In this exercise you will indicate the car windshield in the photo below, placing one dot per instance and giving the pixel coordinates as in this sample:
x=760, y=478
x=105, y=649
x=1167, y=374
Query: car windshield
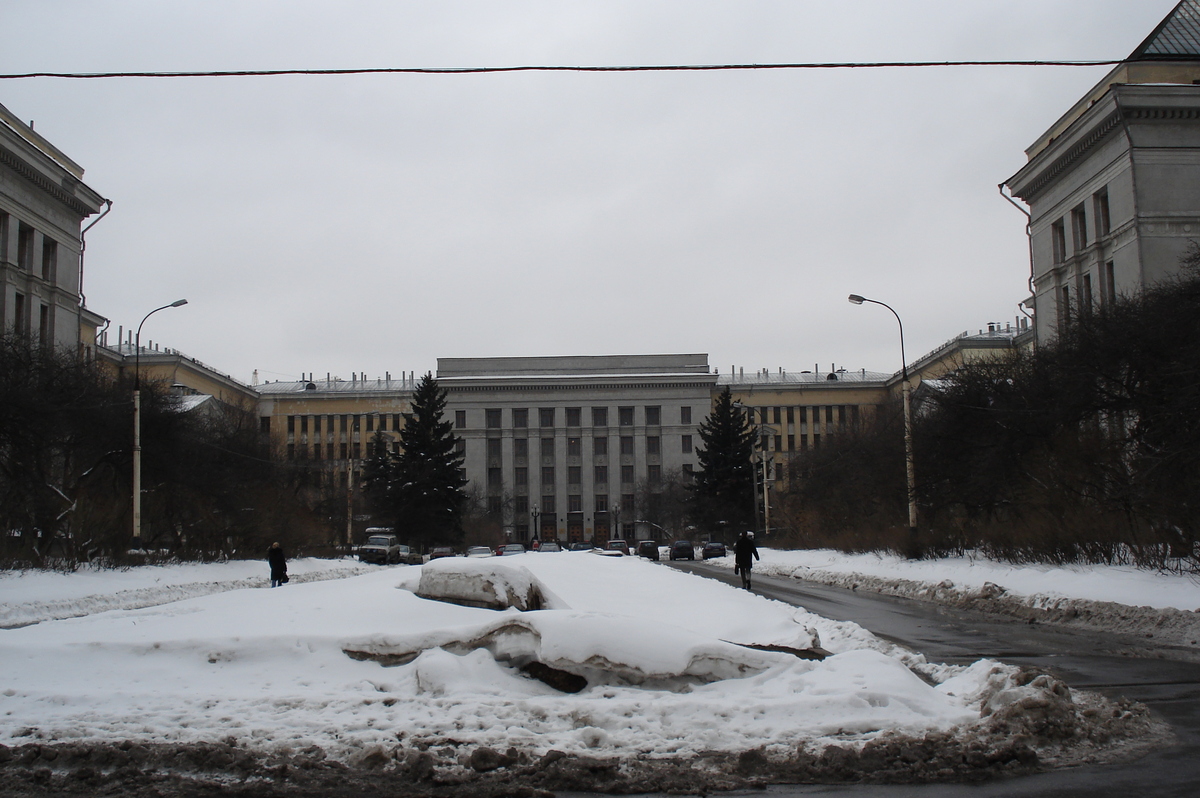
x=377, y=540
x=514, y=547
x=682, y=544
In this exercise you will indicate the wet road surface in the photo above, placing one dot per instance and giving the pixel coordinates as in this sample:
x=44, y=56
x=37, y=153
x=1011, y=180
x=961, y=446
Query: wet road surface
x=1082, y=659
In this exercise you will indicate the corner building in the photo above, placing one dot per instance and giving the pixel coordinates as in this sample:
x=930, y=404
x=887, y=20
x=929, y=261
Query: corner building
x=1113, y=187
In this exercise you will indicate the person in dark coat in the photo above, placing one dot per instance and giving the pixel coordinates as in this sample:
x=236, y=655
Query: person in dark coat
x=743, y=551
x=278, y=564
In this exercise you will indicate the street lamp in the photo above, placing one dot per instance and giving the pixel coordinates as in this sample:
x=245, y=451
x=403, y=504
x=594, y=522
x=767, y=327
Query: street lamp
x=763, y=431
x=137, y=422
x=534, y=513
x=616, y=511
x=910, y=473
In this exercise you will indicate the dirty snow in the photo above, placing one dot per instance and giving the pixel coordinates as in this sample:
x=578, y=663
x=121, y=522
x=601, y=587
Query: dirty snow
x=268, y=668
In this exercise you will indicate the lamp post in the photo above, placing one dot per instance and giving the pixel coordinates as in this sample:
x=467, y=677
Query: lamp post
x=137, y=422
x=910, y=473
x=534, y=513
x=616, y=511
x=763, y=430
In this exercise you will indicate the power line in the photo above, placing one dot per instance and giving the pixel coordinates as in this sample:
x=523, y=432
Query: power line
x=242, y=73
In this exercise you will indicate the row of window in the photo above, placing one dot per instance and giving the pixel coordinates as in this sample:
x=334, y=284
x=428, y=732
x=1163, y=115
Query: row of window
x=548, y=417
x=548, y=507
x=1079, y=227
x=344, y=423
x=495, y=478
x=25, y=248
x=1087, y=298
x=546, y=446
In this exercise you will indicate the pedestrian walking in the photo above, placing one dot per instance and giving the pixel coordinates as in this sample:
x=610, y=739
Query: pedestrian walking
x=744, y=554
x=278, y=563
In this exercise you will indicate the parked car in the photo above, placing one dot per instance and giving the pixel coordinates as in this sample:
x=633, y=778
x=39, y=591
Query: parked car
x=616, y=544
x=511, y=548
x=582, y=546
x=441, y=551
x=480, y=551
x=382, y=549
x=648, y=549
x=550, y=545
x=713, y=549
x=683, y=550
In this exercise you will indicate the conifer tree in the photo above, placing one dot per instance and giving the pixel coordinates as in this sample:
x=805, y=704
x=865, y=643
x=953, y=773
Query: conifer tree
x=723, y=491
x=426, y=487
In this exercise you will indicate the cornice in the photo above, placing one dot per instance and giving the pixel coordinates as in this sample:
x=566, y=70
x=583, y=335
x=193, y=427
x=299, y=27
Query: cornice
x=1062, y=163
x=58, y=192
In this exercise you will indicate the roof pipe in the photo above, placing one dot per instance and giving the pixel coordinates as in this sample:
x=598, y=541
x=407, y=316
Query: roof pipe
x=83, y=246
x=1028, y=239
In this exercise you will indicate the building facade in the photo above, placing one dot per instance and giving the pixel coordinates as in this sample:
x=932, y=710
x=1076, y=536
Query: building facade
x=1113, y=187
x=43, y=202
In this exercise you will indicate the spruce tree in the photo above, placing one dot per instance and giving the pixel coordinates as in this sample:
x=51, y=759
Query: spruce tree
x=426, y=488
x=724, y=488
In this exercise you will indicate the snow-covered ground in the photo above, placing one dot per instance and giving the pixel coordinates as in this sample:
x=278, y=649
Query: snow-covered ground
x=1040, y=585
x=268, y=667
x=352, y=660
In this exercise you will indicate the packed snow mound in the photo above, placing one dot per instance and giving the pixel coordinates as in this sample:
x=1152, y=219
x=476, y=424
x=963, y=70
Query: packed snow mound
x=600, y=648
x=485, y=583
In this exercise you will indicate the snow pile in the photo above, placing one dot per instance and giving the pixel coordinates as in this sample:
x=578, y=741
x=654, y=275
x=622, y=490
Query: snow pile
x=490, y=583
x=661, y=651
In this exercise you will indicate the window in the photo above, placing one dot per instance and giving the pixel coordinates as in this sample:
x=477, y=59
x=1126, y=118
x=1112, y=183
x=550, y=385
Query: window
x=762, y=415
x=1064, y=304
x=627, y=505
x=1079, y=229
x=494, y=479
x=627, y=474
x=777, y=416
x=520, y=417
x=574, y=447
x=1109, y=292
x=791, y=415
x=654, y=474
x=492, y=418
x=653, y=416
x=625, y=416
x=357, y=422
x=687, y=444
x=574, y=475
x=520, y=447
x=600, y=446
x=520, y=504
x=546, y=417
x=494, y=505
x=601, y=475
x=689, y=470
x=370, y=422
x=25, y=246
x=575, y=504
x=4, y=217
x=548, y=511
x=779, y=442
x=599, y=416
x=1058, y=241
x=495, y=448
x=303, y=425
x=291, y=451
x=547, y=447
x=19, y=313
x=574, y=416
x=1100, y=212
x=652, y=444
x=791, y=440
x=601, y=504
x=1085, y=294
x=460, y=447
x=548, y=475
x=291, y=424
x=685, y=415
x=49, y=259
x=626, y=444
x=43, y=325
x=264, y=425
x=521, y=475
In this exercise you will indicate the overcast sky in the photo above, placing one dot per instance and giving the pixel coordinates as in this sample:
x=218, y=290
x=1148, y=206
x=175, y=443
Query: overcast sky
x=376, y=223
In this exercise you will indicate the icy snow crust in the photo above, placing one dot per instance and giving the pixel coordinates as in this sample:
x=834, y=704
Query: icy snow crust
x=267, y=667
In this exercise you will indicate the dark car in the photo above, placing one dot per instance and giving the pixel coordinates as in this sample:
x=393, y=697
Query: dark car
x=616, y=544
x=713, y=549
x=508, y=549
x=581, y=547
x=648, y=549
x=441, y=551
x=683, y=550
x=550, y=545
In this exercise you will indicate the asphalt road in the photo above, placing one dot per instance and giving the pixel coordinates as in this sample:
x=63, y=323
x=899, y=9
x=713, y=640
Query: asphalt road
x=1084, y=660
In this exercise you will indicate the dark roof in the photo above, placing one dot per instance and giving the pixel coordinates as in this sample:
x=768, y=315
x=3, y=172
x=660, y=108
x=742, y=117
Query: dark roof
x=1176, y=37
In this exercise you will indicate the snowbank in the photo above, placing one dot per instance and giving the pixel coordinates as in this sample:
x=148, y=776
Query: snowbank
x=491, y=583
